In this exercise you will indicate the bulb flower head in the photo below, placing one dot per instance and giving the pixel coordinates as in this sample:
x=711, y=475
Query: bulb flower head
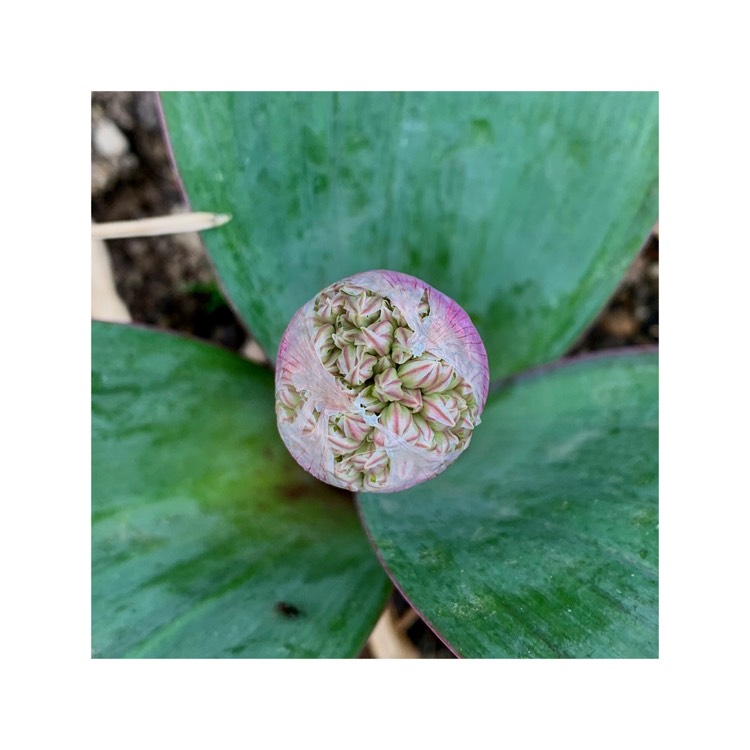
x=380, y=382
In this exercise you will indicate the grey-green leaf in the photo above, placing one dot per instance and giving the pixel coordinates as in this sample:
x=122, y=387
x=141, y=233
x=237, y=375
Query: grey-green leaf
x=208, y=539
x=541, y=540
x=526, y=208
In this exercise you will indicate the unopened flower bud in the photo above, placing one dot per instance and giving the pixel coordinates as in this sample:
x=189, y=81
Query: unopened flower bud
x=388, y=386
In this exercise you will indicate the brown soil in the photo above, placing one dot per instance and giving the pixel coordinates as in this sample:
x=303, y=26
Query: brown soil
x=164, y=281
x=168, y=281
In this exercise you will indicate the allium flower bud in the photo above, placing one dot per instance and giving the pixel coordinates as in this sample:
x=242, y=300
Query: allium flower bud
x=380, y=382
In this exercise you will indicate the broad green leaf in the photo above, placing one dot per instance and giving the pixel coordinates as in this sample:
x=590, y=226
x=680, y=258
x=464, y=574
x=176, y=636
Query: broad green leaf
x=541, y=540
x=526, y=208
x=208, y=540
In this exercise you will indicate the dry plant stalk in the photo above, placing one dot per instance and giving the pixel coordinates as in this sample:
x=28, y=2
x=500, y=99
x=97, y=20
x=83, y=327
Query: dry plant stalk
x=389, y=640
x=105, y=302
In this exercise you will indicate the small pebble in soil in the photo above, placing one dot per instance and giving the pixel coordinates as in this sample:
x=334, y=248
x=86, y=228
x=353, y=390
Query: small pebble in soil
x=109, y=140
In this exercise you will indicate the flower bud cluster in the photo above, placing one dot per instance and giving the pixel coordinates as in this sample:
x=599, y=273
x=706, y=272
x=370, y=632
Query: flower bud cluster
x=385, y=411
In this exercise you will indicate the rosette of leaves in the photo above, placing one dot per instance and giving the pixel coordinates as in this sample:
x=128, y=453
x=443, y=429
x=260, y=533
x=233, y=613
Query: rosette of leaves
x=540, y=540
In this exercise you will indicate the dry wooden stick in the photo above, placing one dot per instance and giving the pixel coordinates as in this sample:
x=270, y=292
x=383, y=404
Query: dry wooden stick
x=173, y=224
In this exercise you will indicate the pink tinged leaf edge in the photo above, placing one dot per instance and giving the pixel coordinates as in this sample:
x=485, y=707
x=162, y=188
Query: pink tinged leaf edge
x=394, y=581
x=621, y=354
x=235, y=308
